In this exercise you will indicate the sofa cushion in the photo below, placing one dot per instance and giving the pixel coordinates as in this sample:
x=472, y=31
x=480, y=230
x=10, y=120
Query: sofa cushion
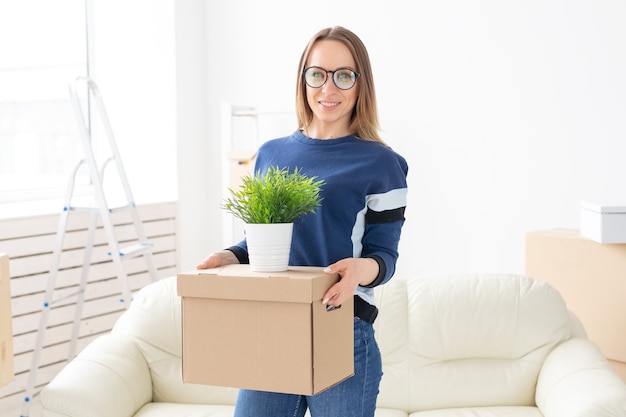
x=386, y=412
x=465, y=412
x=186, y=410
x=487, y=338
x=481, y=412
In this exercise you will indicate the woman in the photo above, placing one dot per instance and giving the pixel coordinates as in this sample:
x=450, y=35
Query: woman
x=355, y=232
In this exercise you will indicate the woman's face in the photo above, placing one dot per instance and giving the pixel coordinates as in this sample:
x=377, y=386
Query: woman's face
x=331, y=106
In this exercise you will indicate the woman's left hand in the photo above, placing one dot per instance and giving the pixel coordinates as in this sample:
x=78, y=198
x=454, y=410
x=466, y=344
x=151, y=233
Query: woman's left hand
x=352, y=273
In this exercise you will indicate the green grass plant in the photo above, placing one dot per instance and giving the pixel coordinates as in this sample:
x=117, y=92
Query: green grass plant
x=278, y=196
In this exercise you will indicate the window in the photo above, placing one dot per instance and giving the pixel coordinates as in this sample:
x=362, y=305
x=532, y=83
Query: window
x=43, y=47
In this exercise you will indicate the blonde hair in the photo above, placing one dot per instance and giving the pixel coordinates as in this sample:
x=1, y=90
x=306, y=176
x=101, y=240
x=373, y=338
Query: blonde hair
x=364, y=120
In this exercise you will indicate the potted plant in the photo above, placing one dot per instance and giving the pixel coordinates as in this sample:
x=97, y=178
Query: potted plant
x=268, y=205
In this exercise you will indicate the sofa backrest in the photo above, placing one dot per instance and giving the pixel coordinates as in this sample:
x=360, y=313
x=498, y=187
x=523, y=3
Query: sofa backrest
x=153, y=320
x=447, y=341
x=466, y=340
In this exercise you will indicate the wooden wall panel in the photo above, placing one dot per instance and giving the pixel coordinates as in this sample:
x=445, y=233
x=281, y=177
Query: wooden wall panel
x=30, y=242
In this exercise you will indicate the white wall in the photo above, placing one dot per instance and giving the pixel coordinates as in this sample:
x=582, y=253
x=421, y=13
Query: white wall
x=509, y=113
x=132, y=44
x=197, y=187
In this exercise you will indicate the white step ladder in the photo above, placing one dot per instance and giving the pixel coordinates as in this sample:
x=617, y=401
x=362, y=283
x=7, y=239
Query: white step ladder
x=97, y=206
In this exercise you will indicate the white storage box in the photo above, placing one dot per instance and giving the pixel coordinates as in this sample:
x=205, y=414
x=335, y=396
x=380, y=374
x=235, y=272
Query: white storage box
x=603, y=223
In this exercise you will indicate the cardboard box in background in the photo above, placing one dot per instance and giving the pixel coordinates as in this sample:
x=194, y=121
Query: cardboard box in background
x=591, y=277
x=6, y=328
x=603, y=223
x=241, y=165
x=264, y=331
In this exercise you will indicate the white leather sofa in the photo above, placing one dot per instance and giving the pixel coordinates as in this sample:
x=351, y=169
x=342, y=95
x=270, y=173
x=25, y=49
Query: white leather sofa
x=452, y=346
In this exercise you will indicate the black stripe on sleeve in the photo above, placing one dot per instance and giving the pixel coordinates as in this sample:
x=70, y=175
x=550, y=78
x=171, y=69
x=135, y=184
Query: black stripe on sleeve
x=386, y=216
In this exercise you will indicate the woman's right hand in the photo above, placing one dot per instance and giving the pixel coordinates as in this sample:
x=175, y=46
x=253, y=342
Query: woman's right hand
x=221, y=258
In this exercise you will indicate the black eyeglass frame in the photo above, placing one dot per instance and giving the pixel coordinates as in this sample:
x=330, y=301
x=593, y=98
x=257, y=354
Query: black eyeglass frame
x=356, y=76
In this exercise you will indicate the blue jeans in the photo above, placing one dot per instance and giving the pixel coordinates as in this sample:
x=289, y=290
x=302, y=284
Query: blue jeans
x=354, y=397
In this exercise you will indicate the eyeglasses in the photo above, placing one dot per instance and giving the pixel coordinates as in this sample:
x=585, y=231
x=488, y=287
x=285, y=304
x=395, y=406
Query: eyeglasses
x=344, y=78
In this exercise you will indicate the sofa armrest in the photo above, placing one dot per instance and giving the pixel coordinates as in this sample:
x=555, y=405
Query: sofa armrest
x=577, y=381
x=110, y=377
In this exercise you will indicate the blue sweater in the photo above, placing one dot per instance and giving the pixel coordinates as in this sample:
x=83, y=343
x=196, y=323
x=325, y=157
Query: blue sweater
x=362, y=211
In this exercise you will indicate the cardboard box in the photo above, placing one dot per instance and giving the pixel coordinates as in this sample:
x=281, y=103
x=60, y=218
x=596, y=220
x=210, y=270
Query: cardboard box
x=603, y=223
x=619, y=368
x=6, y=328
x=591, y=277
x=264, y=331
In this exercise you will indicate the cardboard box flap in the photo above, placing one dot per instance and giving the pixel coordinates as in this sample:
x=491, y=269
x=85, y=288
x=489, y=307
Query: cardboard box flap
x=237, y=282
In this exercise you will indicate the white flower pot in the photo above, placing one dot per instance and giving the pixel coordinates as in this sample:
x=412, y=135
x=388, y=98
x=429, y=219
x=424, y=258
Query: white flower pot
x=269, y=246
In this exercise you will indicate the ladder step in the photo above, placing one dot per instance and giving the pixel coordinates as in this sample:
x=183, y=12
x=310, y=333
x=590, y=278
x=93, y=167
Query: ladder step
x=135, y=250
x=47, y=304
x=93, y=206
